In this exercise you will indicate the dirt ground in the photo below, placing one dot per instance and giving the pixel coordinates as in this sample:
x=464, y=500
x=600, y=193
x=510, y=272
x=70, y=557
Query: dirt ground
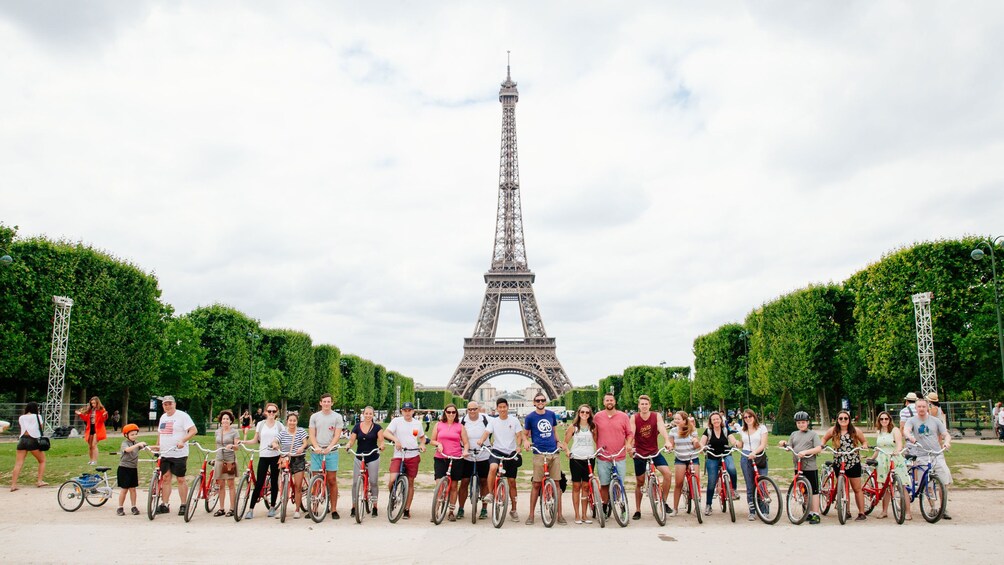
x=34, y=529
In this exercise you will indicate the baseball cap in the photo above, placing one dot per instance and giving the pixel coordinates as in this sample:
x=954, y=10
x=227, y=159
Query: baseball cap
x=167, y=398
x=407, y=406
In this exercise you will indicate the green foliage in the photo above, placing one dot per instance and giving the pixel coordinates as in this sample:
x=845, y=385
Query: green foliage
x=784, y=422
x=577, y=397
x=433, y=399
x=289, y=366
x=225, y=337
x=604, y=386
x=327, y=373
x=720, y=367
x=182, y=360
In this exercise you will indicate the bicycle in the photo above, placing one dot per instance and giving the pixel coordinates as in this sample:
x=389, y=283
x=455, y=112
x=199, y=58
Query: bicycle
x=595, y=501
x=652, y=488
x=207, y=489
x=692, y=487
x=726, y=494
x=474, y=492
x=766, y=495
x=361, y=487
x=500, y=490
x=246, y=485
x=154, y=493
x=87, y=486
x=548, y=492
x=286, y=486
x=891, y=485
x=398, y=496
x=317, y=488
x=799, y=497
x=441, y=496
x=928, y=487
x=619, y=505
x=836, y=487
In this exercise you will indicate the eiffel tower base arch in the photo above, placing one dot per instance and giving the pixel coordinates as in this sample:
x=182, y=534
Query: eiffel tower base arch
x=487, y=358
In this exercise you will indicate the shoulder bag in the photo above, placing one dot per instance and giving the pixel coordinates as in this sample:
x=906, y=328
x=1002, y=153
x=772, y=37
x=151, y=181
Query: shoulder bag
x=43, y=441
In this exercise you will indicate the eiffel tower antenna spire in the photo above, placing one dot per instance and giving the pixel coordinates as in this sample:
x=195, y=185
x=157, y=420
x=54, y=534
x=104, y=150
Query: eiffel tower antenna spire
x=509, y=279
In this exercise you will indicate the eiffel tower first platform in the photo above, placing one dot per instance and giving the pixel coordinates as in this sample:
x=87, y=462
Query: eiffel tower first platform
x=485, y=355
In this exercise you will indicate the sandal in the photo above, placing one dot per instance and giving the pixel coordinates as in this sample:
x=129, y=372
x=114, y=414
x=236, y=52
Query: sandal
x=229, y=514
x=881, y=516
x=12, y=489
x=41, y=484
x=219, y=513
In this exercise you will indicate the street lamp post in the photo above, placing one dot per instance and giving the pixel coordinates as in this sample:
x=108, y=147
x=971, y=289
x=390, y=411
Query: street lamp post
x=978, y=254
x=252, y=337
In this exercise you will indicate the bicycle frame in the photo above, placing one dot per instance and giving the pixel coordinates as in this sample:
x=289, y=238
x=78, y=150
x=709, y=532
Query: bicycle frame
x=724, y=482
x=652, y=488
x=360, y=495
x=617, y=485
x=692, y=484
x=841, y=479
x=441, y=496
x=203, y=485
x=595, y=503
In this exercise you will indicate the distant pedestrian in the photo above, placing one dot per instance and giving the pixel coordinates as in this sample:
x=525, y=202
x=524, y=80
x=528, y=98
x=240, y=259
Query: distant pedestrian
x=116, y=420
x=94, y=416
x=31, y=430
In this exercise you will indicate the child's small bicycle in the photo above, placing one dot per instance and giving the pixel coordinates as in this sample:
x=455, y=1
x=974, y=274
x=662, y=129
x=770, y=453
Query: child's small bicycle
x=89, y=487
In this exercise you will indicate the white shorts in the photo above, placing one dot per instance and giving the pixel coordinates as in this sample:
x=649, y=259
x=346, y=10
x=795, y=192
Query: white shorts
x=940, y=467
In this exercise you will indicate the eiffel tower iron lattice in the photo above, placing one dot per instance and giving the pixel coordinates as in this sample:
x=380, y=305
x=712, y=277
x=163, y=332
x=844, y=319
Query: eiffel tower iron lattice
x=510, y=279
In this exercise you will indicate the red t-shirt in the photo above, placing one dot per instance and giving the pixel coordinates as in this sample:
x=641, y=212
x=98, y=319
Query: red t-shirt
x=646, y=434
x=611, y=433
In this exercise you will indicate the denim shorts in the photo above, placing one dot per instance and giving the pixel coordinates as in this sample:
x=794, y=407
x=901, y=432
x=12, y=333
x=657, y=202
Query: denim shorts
x=330, y=461
x=604, y=470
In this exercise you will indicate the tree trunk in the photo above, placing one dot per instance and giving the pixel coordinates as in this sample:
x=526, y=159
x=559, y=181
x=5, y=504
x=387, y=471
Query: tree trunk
x=22, y=394
x=124, y=415
x=824, y=410
x=283, y=411
x=65, y=414
x=82, y=396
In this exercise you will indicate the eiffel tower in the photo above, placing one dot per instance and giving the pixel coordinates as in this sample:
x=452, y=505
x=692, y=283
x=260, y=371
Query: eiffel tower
x=485, y=355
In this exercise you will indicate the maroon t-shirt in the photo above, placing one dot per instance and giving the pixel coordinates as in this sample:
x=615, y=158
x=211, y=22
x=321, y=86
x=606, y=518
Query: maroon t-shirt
x=646, y=434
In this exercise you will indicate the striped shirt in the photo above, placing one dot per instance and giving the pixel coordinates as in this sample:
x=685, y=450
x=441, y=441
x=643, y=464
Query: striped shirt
x=291, y=442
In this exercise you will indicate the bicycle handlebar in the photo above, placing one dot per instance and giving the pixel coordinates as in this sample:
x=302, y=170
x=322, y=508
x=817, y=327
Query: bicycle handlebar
x=610, y=455
x=719, y=456
x=514, y=455
x=535, y=450
x=845, y=453
x=653, y=456
x=793, y=452
x=361, y=455
x=204, y=450
x=889, y=453
x=929, y=452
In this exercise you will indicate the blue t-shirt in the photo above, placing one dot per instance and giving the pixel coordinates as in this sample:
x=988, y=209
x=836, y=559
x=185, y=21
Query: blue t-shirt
x=541, y=428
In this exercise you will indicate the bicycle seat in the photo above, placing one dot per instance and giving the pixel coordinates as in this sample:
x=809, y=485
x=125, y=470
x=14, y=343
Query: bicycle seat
x=872, y=462
x=102, y=469
x=911, y=457
x=829, y=463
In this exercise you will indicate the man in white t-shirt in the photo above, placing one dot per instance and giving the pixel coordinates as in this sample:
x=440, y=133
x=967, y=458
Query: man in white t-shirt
x=506, y=433
x=409, y=441
x=908, y=411
x=475, y=423
x=325, y=429
x=176, y=428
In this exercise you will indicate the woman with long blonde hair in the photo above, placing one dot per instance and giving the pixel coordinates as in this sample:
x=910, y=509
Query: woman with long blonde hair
x=683, y=440
x=94, y=416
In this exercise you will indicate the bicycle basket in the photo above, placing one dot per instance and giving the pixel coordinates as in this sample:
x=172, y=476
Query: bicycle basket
x=88, y=480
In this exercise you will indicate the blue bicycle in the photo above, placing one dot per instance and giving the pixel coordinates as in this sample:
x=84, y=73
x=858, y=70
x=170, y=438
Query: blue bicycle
x=618, y=494
x=474, y=488
x=925, y=484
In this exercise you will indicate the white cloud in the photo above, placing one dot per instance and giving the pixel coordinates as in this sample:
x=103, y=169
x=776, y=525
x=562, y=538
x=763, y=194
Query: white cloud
x=334, y=169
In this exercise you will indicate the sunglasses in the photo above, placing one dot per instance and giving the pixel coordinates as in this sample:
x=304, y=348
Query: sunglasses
x=843, y=419
x=883, y=418
x=271, y=411
x=584, y=412
x=747, y=417
x=451, y=411
x=539, y=400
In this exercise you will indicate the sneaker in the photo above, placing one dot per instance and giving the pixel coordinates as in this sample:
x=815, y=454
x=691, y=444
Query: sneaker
x=606, y=509
x=636, y=516
x=670, y=512
x=135, y=511
x=483, y=515
x=707, y=510
x=751, y=517
x=814, y=518
x=460, y=513
x=561, y=521
x=352, y=512
x=120, y=512
x=529, y=521
x=374, y=511
x=735, y=496
x=271, y=512
x=335, y=516
x=181, y=510
x=450, y=516
x=249, y=515
x=945, y=516
x=296, y=514
x=163, y=509
x=513, y=515
x=488, y=499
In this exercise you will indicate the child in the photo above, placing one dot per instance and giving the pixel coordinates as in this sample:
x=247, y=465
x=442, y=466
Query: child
x=806, y=443
x=128, y=475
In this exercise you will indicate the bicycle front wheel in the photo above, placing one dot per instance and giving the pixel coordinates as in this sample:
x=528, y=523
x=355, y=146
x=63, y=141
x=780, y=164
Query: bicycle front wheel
x=767, y=500
x=359, y=495
x=193, y=497
x=655, y=497
x=475, y=496
x=932, y=499
x=826, y=491
x=214, y=493
x=440, y=499
x=797, y=505
x=500, y=504
x=619, y=503
x=596, y=506
x=843, y=501
x=97, y=496
x=695, y=498
x=317, y=498
x=284, y=488
x=153, y=495
x=70, y=496
x=243, y=497
x=728, y=495
x=870, y=490
x=899, y=500
x=548, y=502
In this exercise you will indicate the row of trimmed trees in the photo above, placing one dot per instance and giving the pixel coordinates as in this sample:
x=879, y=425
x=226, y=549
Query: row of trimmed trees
x=856, y=340
x=126, y=344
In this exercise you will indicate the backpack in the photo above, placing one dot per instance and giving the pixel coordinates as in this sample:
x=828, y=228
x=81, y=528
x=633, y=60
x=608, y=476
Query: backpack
x=484, y=420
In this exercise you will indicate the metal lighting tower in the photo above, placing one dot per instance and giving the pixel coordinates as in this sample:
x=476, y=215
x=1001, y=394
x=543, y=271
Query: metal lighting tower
x=57, y=361
x=925, y=342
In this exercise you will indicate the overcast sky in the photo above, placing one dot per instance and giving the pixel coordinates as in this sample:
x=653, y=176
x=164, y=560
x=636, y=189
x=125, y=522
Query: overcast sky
x=333, y=167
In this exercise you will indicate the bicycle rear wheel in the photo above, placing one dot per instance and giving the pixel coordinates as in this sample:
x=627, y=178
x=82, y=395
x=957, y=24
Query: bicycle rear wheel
x=97, y=496
x=70, y=496
x=728, y=494
x=655, y=497
x=597, y=502
x=475, y=496
x=826, y=491
x=284, y=488
x=440, y=499
x=686, y=495
x=500, y=504
x=548, y=502
x=899, y=500
x=359, y=497
x=799, y=494
x=619, y=503
x=243, y=497
x=695, y=498
x=870, y=490
x=153, y=495
x=843, y=501
x=193, y=497
x=932, y=499
x=767, y=500
x=317, y=498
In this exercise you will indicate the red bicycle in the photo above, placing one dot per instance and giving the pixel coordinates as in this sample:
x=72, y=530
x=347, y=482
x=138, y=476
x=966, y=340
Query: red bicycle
x=892, y=486
x=799, y=493
x=246, y=485
x=156, y=489
x=652, y=488
x=766, y=497
x=317, y=490
x=361, y=487
x=595, y=501
x=726, y=494
x=441, y=496
x=204, y=486
x=836, y=486
x=548, y=492
x=692, y=487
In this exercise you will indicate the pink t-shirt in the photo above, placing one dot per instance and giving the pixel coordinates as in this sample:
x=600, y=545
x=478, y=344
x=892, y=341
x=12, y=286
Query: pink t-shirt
x=449, y=436
x=611, y=431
